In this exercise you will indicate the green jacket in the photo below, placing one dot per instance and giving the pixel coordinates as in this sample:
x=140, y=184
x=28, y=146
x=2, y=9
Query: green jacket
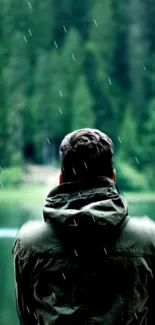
x=88, y=262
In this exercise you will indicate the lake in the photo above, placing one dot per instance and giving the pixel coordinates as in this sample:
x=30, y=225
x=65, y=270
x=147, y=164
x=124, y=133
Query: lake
x=16, y=209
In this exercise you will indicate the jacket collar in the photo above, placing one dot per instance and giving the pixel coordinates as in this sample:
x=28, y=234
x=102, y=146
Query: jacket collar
x=85, y=202
x=89, y=184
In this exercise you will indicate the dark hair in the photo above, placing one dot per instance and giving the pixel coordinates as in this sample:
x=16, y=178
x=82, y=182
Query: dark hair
x=86, y=153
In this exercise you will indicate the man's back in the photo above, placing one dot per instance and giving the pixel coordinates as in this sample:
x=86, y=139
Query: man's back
x=87, y=262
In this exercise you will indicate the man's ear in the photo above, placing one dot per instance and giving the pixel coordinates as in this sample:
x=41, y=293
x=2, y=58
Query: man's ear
x=61, y=179
x=114, y=176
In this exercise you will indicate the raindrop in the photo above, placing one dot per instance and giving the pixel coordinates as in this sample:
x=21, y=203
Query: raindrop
x=29, y=4
x=64, y=276
x=137, y=160
x=85, y=165
x=25, y=39
x=48, y=141
x=60, y=110
x=73, y=57
x=30, y=32
x=74, y=171
x=75, y=252
x=60, y=92
x=95, y=22
x=56, y=45
x=65, y=29
x=75, y=223
x=110, y=81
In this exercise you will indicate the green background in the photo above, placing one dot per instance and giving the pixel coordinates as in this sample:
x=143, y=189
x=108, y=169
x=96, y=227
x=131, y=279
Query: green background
x=65, y=65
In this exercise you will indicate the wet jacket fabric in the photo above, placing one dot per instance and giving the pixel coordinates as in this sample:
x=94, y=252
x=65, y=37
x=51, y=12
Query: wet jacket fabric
x=87, y=262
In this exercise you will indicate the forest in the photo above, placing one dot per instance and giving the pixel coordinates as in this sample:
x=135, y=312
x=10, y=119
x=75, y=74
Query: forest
x=71, y=64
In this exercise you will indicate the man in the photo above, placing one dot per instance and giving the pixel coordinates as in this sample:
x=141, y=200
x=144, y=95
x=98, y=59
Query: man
x=88, y=262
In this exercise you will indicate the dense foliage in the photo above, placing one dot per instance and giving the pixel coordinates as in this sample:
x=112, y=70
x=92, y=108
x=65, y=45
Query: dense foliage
x=69, y=64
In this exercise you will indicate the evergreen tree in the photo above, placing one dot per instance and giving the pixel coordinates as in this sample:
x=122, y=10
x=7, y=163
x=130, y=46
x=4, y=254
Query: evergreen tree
x=83, y=115
x=4, y=139
x=42, y=19
x=128, y=151
x=16, y=81
x=148, y=144
x=40, y=104
x=138, y=49
x=65, y=65
x=99, y=65
x=72, y=56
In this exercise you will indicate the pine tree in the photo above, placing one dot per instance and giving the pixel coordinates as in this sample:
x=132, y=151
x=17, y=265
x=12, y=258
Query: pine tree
x=72, y=56
x=138, y=53
x=4, y=139
x=43, y=22
x=83, y=115
x=148, y=144
x=16, y=81
x=128, y=151
x=99, y=65
x=39, y=105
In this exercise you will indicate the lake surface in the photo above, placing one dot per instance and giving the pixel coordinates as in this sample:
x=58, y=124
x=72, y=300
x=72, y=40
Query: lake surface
x=12, y=216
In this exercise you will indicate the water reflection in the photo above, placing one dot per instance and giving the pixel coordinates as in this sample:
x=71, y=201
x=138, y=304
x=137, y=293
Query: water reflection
x=8, y=233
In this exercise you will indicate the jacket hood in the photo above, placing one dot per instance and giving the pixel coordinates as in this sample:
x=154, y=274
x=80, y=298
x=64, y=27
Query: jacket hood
x=85, y=206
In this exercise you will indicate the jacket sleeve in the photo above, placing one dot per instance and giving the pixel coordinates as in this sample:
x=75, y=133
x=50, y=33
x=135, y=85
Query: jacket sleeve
x=151, y=313
x=24, y=302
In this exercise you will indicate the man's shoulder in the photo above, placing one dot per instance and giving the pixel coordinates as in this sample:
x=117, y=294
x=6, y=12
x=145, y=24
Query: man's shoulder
x=33, y=229
x=141, y=231
x=35, y=234
x=143, y=223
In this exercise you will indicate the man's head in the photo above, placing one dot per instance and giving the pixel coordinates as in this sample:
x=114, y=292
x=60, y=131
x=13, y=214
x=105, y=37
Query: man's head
x=84, y=154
